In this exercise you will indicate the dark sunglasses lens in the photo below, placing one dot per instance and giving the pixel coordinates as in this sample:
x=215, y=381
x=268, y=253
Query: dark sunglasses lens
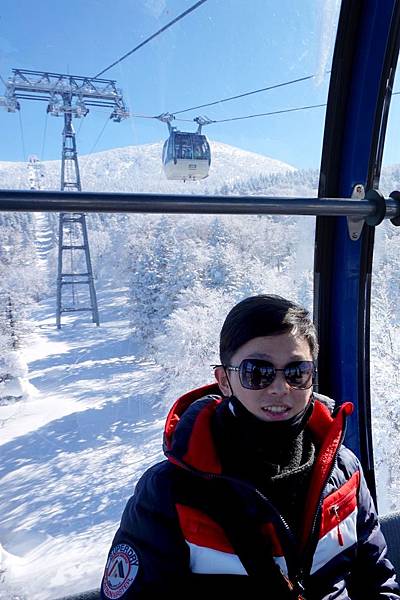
x=299, y=374
x=256, y=374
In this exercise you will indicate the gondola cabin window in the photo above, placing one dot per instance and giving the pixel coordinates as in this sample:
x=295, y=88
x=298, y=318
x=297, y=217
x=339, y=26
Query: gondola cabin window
x=188, y=156
x=82, y=405
x=385, y=329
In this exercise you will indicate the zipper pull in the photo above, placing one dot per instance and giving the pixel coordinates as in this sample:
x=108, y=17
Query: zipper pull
x=299, y=591
x=297, y=588
x=334, y=510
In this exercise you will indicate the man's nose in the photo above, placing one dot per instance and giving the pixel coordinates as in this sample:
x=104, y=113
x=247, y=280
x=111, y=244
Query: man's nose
x=279, y=384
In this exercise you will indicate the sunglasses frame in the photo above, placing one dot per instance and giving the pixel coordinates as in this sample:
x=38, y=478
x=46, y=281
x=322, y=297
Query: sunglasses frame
x=238, y=369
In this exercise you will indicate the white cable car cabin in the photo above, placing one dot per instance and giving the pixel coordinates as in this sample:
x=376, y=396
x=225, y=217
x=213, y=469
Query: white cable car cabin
x=186, y=156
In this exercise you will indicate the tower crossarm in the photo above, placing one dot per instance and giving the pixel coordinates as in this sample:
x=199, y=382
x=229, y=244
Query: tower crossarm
x=54, y=88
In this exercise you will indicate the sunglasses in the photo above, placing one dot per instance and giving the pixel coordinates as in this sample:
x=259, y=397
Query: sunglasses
x=257, y=374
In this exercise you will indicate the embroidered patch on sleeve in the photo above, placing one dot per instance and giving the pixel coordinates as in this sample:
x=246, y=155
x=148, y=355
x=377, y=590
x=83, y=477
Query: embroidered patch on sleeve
x=120, y=572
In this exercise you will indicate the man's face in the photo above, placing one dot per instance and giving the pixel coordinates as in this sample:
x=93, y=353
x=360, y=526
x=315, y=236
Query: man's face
x=278, y=401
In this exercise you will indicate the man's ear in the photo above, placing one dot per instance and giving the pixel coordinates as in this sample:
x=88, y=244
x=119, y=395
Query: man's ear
x=222, y=379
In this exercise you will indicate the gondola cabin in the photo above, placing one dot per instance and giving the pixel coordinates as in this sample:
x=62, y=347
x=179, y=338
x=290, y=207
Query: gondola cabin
x=186, y=156
x=169, y=262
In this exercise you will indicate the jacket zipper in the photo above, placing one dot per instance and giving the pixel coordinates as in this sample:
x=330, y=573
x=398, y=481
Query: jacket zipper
x=297, y=584
x=286, y=529
x=313, y=540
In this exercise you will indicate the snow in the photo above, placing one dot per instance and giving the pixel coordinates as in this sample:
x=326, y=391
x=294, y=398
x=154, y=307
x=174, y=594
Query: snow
x=71, y=454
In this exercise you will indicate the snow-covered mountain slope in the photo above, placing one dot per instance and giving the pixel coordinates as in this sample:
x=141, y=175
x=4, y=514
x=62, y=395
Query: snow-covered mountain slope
x=73, y=452
x=139, y=169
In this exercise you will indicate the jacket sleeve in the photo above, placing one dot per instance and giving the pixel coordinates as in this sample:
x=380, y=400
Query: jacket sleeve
x=373, y=576
x=148, y=554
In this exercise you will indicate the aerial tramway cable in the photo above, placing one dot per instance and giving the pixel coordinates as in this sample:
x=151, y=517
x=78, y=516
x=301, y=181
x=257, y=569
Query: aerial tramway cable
x=99, y=136
x=184, y=14
x=274, y=112
x=265, y=89
x=212, y=121
x=44, y=137
x=79, y=128
x=237, y=96
x=22, y=136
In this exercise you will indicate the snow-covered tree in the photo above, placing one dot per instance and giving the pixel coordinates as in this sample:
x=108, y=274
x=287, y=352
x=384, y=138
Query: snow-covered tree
x=219, y=270
x=21, y=286
x=164, y=260
x=189, y=344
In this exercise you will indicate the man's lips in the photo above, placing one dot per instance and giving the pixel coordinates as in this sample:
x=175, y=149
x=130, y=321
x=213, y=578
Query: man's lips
x=276, y=409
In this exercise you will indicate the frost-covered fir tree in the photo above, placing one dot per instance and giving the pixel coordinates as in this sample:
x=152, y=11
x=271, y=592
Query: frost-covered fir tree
x=189, y=344
x=218, y=271
x=148, y=292
x=21, y=286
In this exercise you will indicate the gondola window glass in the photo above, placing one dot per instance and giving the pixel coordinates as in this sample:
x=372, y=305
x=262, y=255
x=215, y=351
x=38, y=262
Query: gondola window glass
x=385, y=328
x=235, y=92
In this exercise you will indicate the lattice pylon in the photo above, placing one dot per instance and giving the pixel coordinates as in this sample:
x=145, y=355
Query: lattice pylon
x=75, y=271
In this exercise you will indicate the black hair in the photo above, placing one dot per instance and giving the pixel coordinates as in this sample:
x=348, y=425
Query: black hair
x=264, y=315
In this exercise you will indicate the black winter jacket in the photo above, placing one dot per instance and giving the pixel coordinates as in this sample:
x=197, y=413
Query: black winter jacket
x=189, y=530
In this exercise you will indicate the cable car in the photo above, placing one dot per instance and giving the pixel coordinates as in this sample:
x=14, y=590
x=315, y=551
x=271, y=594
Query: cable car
x=186, y=155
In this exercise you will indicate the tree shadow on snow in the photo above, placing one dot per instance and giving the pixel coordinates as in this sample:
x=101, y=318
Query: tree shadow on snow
x=78, y=471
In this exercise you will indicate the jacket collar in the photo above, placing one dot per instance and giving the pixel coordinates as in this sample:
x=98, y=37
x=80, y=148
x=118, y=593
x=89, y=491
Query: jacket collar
x=188, y=435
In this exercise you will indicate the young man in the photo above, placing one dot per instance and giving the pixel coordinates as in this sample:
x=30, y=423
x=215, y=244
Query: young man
x=258, y=494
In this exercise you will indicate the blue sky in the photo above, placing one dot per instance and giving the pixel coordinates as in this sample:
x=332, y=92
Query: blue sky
x=223, y=48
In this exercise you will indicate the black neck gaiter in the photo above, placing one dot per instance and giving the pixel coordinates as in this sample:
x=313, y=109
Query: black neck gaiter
x=243, y=440
x=277, y=433
x=277, y=457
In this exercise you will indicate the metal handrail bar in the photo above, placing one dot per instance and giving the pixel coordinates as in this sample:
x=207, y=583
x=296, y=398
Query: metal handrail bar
x=43, y=201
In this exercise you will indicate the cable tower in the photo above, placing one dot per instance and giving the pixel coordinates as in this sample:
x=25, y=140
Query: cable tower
x=69, y=96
